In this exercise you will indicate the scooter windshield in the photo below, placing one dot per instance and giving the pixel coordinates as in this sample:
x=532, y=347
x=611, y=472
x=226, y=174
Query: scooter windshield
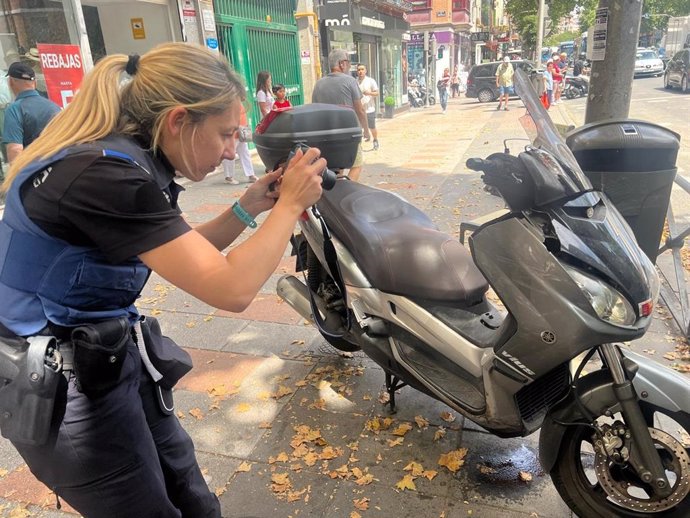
x=545, y=136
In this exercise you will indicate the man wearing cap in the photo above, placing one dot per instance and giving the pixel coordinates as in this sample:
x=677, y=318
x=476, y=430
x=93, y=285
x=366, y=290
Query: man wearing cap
x=26, y=117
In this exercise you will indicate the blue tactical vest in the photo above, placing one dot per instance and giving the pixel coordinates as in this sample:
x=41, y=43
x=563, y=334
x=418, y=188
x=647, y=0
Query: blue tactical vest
x=44, y=279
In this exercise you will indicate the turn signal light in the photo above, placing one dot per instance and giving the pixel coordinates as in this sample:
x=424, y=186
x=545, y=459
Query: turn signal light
x=646, y=307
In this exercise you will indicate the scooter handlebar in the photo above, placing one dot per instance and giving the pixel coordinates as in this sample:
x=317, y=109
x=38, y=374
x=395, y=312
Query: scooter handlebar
x=479, y=164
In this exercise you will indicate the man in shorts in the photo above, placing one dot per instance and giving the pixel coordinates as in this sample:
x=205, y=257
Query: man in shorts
x=504, y=82
x=370, y=93
x=341, y=89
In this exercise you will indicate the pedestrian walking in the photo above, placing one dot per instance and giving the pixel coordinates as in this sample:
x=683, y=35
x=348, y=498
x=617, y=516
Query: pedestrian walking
x=547, y=78
x=26, y=117
x=370, y=94
x=442, y=85
x=263, y=94
x=340, y=88
x=504, y=82
x=241, y=152
x=91, y=210
x=455, y=83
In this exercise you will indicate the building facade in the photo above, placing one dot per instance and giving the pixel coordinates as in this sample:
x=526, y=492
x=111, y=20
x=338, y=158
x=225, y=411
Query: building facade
x=371, y=33
x=440, y=37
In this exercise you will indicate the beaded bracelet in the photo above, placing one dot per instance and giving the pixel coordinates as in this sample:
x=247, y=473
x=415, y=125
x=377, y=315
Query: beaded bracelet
x=243, y=215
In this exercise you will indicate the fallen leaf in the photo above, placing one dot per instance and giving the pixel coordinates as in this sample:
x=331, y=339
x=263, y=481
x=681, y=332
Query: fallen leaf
x=415, y=468
x=485, y=470
x=310, y=458
x=282, y=392
x=453, y=460
x=365, y=480
x=407, y=482
x=429, y=473
x=330, y=453
x=190, y=325
x=448, y=417
x=242, y=408
x=282, y=457
x=265, y=425
x=244, y=467
x=525, y=476
x=361, y=504
x=402, y=429
x=440, y=434
x=395, y=442
x=421, y=421
x=384, y=398
x=297, y=342
x=197, y=413
x=355, y=514
x=220, y=490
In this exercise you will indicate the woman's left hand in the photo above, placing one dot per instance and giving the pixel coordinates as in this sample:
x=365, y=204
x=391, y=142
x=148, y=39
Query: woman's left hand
x=259, y=197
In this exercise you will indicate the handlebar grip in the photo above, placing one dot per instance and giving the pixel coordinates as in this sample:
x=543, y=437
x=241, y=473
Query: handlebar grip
x=476, y=164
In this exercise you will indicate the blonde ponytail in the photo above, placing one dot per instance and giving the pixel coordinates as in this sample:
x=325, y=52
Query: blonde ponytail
x=169, y=76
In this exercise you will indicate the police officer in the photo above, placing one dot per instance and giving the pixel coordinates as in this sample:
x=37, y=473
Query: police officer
x=92, y=208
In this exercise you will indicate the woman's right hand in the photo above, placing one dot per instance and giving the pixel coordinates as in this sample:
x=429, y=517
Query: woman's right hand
x=300, y=185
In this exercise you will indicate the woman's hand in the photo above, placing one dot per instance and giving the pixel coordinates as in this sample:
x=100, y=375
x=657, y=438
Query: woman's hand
x=300, y=185
x=259, y=197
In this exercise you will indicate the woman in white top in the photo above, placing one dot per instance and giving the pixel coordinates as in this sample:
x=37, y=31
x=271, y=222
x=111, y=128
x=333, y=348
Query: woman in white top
x=263, y=92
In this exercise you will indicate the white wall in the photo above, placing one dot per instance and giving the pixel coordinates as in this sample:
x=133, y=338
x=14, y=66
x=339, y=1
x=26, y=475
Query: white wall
x=117, y=32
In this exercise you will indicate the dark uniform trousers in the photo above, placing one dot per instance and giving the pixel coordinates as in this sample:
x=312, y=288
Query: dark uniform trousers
x=119, y=456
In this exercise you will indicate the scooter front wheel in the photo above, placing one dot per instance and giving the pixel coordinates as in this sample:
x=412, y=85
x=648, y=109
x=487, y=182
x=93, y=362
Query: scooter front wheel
x=594, y=478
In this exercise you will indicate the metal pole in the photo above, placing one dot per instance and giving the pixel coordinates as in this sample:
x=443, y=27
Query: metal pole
x=427, y=68
x=540, y=32
x=616, y=31
x=81, y=35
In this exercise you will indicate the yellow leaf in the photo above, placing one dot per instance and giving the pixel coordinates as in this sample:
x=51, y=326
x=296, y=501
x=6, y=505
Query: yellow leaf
x=220, y=490
x=280, y=478
x=282, y=392
x=407, y=482
x=310, y=458
x=361, y=503
x=402, y=429
x=430, y=474
x=191, y=324
x=265, y=425
x=421, y=421
x=3, y=472
x=329, y=453
x=440, y=434
x=395, y=442
x=156, y=312
x=208, y=318
x=415, y=468
x=453, y=460
x=365, y=480
x=447, y=417
x=355, y=514
x=242, y=408
x=525, y=476
x=196, y=412
x=244, y=467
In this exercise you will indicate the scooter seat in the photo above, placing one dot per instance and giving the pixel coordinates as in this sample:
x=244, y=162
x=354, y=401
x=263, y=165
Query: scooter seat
x=398, y=247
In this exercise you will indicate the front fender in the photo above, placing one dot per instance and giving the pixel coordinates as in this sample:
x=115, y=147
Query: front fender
x=654, y=383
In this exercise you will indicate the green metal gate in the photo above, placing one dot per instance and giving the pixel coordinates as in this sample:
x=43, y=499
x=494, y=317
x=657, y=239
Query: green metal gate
x=258, y=35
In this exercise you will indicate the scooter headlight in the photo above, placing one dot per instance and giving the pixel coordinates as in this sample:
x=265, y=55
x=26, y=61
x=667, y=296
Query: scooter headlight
x=607, y=302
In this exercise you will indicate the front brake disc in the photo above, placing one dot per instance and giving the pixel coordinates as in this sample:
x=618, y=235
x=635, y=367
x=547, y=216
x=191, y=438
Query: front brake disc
x=637, y=496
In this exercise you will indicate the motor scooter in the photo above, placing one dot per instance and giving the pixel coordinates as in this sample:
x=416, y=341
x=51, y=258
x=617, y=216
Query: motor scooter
x=574, y=285
x=576, y=86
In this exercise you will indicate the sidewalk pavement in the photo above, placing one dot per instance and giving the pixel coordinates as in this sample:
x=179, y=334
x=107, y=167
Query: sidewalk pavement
x=285, y=426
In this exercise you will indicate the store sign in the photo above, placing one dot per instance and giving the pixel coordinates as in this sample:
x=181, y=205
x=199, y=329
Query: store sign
x=335, y=22
x=63, y=71
x=138, y=31
x=372, y=22
x=479, y=36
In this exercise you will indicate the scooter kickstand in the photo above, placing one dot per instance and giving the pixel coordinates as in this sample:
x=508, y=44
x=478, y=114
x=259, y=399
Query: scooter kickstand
x=393, y=383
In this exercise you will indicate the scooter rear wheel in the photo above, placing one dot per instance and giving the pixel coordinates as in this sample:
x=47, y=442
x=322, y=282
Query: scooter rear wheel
x=319, y=278
x=595, y=487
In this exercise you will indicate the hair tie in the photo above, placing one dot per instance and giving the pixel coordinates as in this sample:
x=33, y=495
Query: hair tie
x=132, y=64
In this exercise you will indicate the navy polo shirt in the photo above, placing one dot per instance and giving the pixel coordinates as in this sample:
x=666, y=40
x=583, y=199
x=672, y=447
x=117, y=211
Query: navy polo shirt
x=26, y=117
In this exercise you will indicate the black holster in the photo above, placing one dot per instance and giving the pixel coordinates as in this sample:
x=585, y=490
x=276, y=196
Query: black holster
x=30, y=371
x=99, y=352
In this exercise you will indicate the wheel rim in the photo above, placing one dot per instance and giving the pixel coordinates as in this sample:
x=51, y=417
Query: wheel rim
x=614, y=489
x=485, y=96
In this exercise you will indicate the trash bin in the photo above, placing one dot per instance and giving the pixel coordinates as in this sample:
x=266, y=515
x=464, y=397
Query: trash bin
x=634, y=163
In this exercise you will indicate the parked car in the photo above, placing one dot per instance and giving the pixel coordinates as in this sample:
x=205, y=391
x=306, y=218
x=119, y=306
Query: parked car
x=481, y=81
x=648, y=63
x=678, y=71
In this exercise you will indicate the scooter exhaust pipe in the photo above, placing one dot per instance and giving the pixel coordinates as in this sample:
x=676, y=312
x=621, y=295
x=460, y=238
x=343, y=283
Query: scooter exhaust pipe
x=294, y=292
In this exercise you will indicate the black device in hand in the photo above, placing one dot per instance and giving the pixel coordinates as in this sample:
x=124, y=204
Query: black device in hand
x=328, y=177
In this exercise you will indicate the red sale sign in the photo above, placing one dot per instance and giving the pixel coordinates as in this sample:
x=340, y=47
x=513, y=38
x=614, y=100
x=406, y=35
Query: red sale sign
x=63, y=71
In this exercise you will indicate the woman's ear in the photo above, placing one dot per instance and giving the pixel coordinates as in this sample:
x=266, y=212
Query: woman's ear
x=175, y=120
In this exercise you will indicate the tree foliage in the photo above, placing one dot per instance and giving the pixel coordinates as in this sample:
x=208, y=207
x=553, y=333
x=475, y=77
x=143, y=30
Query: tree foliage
x=524, y=15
